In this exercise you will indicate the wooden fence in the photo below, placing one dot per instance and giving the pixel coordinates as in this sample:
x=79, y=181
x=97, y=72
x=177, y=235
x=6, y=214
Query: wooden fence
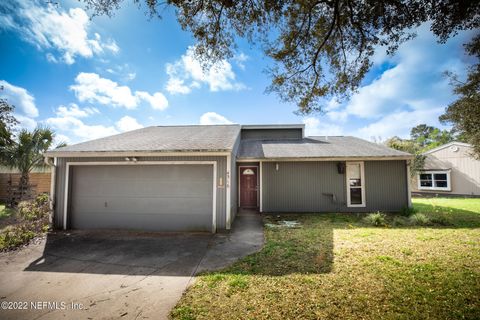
x=40, y=181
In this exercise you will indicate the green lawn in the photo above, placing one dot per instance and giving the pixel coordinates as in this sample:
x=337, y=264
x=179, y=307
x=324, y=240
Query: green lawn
x=334, y=266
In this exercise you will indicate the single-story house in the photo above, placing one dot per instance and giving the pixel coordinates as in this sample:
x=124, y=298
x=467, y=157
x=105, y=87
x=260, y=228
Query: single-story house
x=449, y=169
x=195, y=178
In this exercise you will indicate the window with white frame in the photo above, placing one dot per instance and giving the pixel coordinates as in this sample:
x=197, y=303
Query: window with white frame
x=434, y=180
x=355, y=174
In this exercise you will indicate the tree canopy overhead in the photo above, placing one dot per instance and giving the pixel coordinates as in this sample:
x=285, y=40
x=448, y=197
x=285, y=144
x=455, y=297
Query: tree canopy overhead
x=464, y=113
x=320, y=49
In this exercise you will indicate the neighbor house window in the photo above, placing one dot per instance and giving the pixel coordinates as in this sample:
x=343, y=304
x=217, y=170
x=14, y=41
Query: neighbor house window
x=355, y=184
x=434, y=180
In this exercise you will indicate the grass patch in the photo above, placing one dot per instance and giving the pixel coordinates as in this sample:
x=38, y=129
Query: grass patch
x=335, y=266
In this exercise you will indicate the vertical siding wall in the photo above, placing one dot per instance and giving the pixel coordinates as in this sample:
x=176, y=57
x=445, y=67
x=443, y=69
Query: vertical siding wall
x=464, y=175
x=318, y=187
x=233, y=181
x=60, y=182
x=386, y=185
x=266, y=134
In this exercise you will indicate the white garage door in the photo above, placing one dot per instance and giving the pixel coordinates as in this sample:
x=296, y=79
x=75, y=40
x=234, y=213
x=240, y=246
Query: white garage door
x=142, y=197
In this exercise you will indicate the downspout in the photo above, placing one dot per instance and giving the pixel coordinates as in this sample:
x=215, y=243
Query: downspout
x=53, y=166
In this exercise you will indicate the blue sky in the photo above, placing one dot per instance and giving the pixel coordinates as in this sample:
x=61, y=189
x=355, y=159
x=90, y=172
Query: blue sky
x=91, y=78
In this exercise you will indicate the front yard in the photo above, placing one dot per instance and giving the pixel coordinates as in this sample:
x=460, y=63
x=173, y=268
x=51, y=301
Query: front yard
x=336, y=266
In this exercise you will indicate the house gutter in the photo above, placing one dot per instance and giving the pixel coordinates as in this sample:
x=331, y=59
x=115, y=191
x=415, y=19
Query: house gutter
x=289, y=159
x=96, y=154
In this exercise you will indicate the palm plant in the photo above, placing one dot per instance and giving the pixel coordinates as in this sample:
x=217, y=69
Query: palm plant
x=26, y=153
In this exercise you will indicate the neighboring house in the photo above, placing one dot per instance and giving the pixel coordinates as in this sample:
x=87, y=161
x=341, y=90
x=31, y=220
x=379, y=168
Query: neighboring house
x=449, y=169
x=39, y=179
x=195, y=178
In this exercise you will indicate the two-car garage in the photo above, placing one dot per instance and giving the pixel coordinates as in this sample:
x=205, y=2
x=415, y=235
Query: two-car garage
x=156, y=196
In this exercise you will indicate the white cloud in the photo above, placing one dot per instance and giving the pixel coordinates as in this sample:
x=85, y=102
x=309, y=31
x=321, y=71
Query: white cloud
x=121, y=71
x=157, y=100
x=92, y=88
x=187, y=73
x=400, y=123
x=128, y=123
x=71, y=128
x=240, y=60
x=52, y=28
x=210, y=118
x=315, y=127
x=25, y=122
x=74, y=110
x=61, y=138
x=401, y=90
x=112, y=46
x=25, y=109
x=415, y=81
x=176, y=85
x=76, y=127
x=51, y=58
x=23, y=101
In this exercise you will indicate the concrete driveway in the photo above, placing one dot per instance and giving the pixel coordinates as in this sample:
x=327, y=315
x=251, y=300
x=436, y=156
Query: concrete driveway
x=110, y=275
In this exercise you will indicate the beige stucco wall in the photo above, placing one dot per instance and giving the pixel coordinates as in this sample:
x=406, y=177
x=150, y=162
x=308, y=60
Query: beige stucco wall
x=465, y=170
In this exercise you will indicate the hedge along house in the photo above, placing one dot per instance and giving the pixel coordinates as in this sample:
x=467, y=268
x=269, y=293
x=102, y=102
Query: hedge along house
x=195, y=178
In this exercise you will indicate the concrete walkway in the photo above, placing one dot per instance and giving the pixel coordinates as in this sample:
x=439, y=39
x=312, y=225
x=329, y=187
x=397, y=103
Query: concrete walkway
x=109, y=275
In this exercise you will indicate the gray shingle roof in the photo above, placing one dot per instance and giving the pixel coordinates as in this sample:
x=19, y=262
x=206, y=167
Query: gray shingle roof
x=315, y=147
x=163, y=139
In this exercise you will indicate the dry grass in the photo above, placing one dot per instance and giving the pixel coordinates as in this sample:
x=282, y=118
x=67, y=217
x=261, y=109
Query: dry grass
x=336, y=267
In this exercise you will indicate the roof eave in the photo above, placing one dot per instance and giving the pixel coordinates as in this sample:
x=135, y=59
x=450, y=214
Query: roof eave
x=353, y=158
x=136, y=153
x=463, y=144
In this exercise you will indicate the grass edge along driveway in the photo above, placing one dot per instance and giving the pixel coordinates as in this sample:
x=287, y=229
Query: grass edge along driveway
x=335, y=266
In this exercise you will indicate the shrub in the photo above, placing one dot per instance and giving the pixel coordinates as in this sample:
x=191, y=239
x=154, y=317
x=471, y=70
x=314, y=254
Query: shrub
x=34, y=209
x=407, y=211
x=440, y=220
x=28, y=210
x=376, y=219
x=34, y=216
x=419, y=219
x=400, y=221
x=15, y=236
x=42, y=199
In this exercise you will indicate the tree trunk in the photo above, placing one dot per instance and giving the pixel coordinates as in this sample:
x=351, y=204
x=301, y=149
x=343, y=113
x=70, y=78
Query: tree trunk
x=24, y=185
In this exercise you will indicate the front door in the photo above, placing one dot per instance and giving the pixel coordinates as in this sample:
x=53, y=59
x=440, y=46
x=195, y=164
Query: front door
x=248, y=187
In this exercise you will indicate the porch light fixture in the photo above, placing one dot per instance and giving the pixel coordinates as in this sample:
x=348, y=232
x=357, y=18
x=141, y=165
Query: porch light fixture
x=277, y=166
